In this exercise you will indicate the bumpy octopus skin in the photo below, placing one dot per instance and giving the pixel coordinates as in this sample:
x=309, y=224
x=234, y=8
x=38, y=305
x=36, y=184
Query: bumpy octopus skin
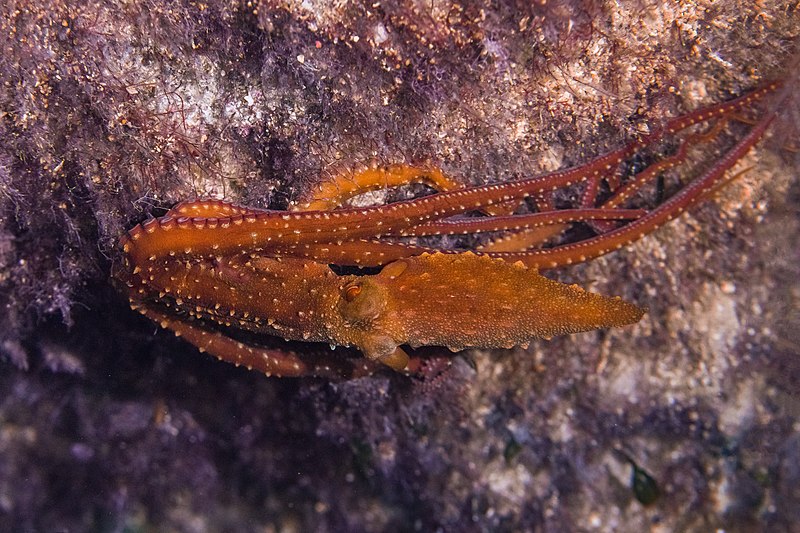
x=209, y=268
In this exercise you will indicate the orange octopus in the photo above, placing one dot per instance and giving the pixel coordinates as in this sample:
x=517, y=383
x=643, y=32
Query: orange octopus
x=209, y=270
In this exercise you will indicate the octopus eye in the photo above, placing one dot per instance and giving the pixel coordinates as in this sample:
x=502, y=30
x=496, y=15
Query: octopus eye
x=362, y=301
x=351, y=292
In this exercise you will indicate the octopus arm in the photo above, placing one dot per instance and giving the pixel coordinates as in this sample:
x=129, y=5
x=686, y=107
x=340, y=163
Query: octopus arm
x=519, y=222
x=270, y=361
x=255, y=229
x=689, y=196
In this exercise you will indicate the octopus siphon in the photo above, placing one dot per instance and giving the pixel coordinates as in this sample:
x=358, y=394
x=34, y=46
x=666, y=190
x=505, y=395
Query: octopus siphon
x=220, y=274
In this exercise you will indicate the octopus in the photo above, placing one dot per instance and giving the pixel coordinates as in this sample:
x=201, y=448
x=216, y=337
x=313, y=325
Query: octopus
x=227, y=277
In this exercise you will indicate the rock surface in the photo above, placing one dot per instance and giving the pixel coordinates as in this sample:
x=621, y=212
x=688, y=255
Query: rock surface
x=111, y=112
